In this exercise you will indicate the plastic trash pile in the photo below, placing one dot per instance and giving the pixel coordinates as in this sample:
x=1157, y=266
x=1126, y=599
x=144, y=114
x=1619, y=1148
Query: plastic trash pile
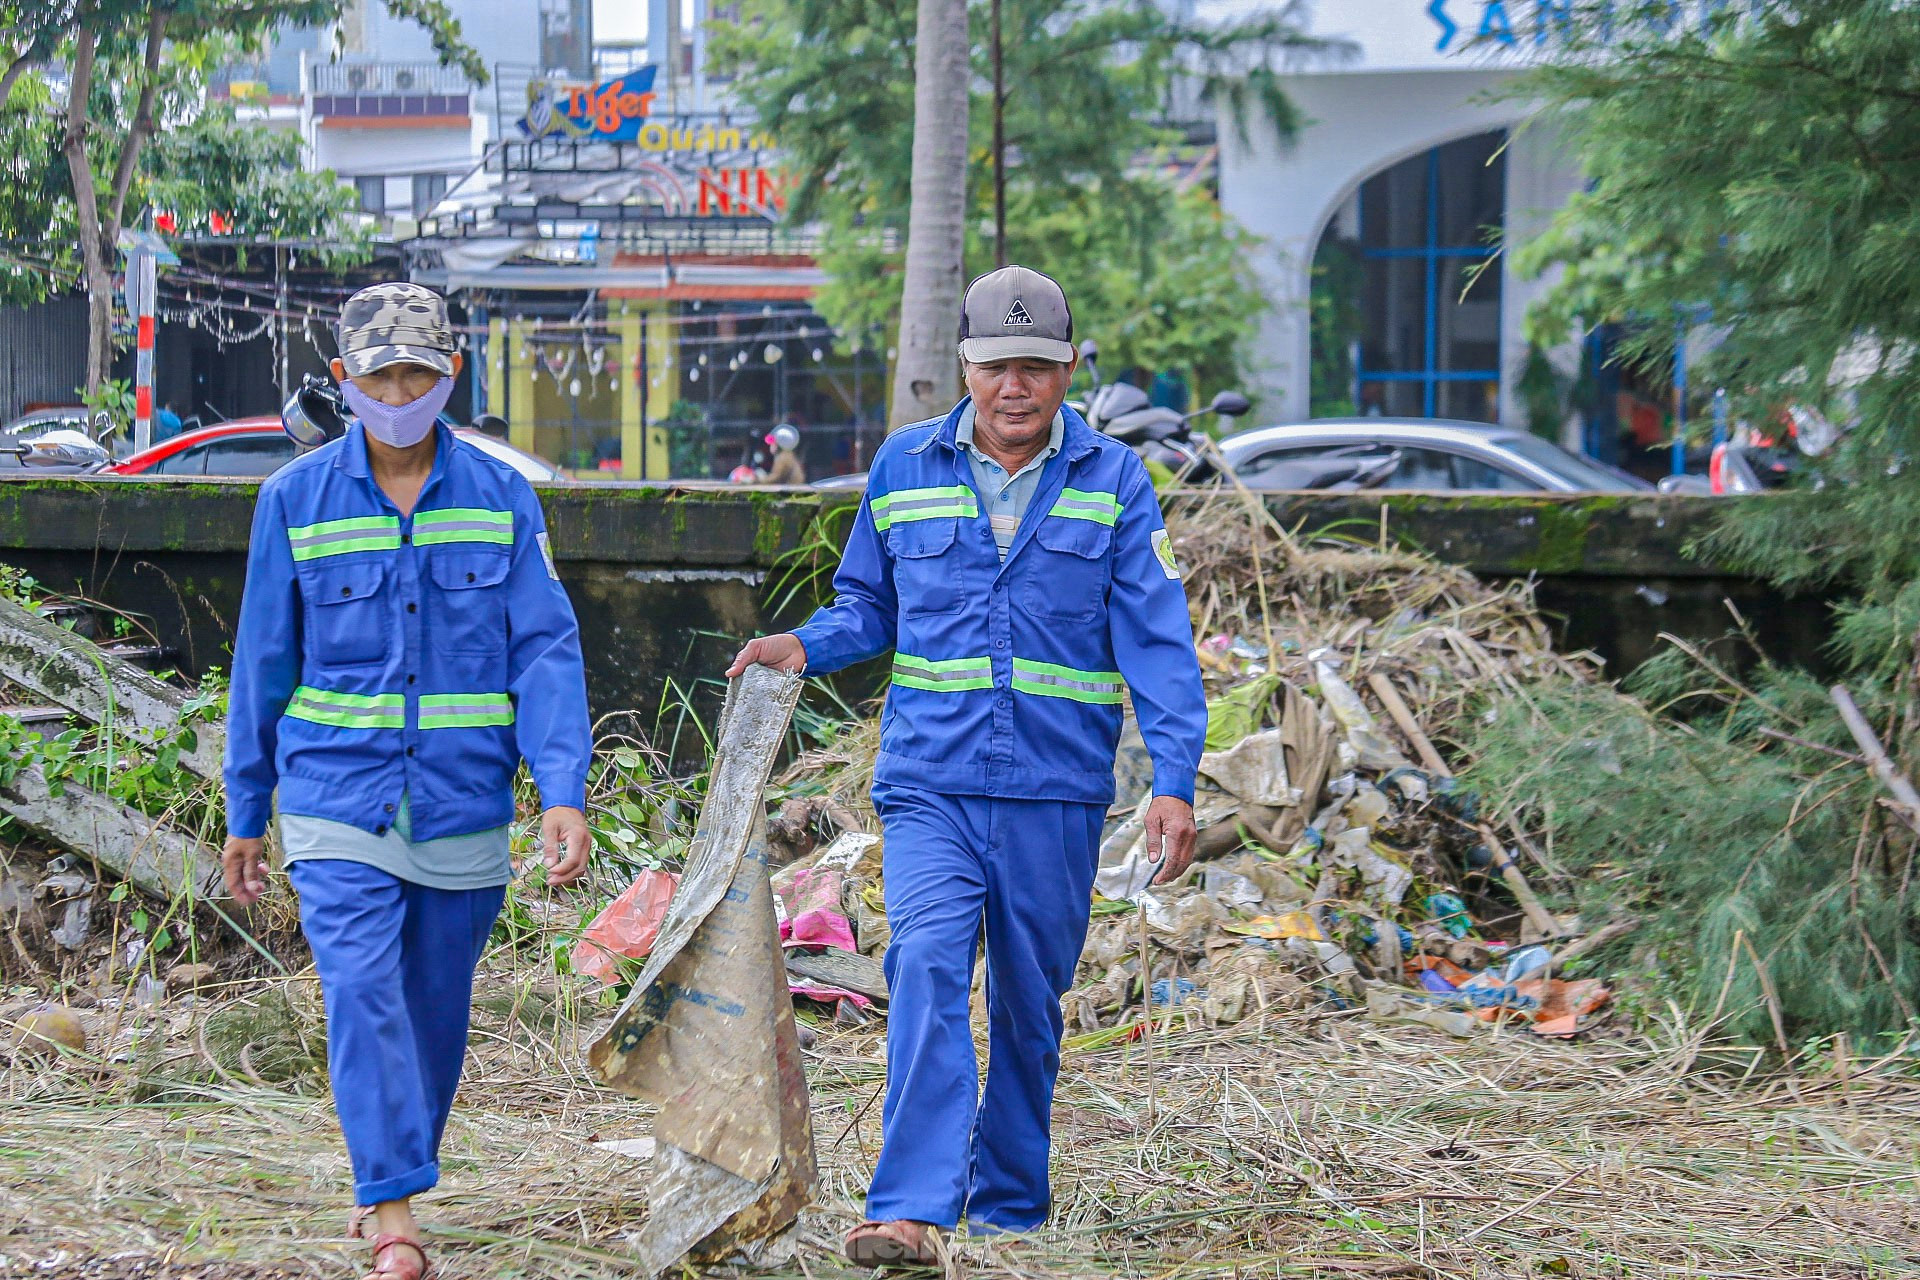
x=1331, y=867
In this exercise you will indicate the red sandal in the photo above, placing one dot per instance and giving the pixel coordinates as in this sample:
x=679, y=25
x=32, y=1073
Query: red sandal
x=389, y=1263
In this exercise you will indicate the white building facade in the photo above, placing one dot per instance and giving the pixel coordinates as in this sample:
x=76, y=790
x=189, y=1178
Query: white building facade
x=1384, y=221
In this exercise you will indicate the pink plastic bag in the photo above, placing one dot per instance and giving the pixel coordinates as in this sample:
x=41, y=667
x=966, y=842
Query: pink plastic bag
x=627, y=927
x=809, y=909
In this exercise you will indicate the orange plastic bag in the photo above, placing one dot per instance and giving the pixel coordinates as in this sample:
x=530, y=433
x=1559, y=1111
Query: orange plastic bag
x=627, y=927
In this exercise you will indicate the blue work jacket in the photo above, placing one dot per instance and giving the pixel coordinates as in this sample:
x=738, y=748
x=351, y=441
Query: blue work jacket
x=381, y=655
x=1009, y=678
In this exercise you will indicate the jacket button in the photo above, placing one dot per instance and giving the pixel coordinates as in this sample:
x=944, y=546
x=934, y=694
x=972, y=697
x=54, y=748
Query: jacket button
x=412, y=607
x=389, y=808
x=409, y=750
x=346, y=591
x=469, y=577
x=409, y=679
x=406, y=537
x=380, y=830
x=999, y=644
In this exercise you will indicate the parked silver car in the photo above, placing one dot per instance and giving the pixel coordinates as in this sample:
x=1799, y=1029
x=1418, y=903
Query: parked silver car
x=1417, y=453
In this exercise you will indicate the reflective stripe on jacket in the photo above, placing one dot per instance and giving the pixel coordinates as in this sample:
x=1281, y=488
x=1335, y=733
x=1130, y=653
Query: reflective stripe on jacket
x=1009, y=679
x=379, y=655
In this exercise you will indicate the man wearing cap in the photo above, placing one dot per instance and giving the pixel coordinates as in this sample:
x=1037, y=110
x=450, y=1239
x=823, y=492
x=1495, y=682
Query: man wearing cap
x=1015, y=562
x=404, y=642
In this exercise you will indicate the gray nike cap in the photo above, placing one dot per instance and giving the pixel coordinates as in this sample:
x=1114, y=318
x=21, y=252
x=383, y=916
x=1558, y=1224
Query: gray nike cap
x=1016, y=313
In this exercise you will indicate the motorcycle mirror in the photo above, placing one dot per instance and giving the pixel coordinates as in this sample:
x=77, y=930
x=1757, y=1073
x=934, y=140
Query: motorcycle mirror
x=1089, y=350
x=491, y=424
x=313, y=414
x=1230, y=404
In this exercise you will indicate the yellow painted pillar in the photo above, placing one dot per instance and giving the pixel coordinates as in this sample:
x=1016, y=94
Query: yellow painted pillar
x=496, y=370
x=663, y=386
x=521, y=422
x=632, y=394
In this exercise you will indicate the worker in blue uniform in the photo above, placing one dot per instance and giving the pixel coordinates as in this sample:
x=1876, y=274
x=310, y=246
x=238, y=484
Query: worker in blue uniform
x=404, y=642
x=1016, y=564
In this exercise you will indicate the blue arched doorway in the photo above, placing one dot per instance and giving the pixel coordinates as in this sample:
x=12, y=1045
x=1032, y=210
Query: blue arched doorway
x=1406, y=289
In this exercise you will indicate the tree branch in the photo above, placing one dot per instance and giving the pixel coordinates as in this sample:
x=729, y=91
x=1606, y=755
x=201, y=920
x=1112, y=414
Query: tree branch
x=142, y=121
x=12, y=74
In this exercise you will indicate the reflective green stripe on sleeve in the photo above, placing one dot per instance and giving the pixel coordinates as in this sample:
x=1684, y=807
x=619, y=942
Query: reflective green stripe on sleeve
x=464, y=710
x=1080, y=504
x=1051, y=680
x=947, y=675
x=462, y=524
x=903, y=505
x=348, y=710
x=338, y=537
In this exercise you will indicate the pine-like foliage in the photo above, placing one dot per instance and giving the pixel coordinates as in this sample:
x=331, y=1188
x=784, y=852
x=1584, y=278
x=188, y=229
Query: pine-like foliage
x=1767, y=885
x=1758, y=173
x=1753, y=172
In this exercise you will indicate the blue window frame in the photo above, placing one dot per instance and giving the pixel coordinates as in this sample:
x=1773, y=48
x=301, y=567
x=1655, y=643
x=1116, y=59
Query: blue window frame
x=1431, y=328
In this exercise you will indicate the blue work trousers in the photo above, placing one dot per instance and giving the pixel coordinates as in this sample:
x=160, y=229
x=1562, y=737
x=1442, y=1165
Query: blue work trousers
x=396, y=962
x=1023, y=869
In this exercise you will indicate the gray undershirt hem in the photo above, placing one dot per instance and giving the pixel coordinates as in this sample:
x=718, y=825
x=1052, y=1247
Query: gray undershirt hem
x=478, y=860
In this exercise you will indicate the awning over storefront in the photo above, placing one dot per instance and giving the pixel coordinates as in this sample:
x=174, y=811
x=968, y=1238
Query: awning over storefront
x=774, y=278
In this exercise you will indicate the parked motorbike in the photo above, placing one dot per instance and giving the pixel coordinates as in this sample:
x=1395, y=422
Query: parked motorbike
x=1156, y=433
x=67, y=451
x=1340, y=471
x=315, y=413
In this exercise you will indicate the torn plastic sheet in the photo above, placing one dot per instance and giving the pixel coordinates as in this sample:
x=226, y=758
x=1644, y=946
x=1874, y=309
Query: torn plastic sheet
x=707, y=1034
x=1373, y=750
x=1125, y=871
x=1387, y=879
x=1254, y=770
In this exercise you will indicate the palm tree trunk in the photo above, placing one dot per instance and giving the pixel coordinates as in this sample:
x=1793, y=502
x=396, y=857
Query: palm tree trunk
x=925, y=373
x=87, y=207
x=100, y=222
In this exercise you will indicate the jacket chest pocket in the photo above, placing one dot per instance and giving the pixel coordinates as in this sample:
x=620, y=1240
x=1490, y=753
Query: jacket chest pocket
x=1066, y=570
x=349, y=613
x=925, y=573
x=469, y=600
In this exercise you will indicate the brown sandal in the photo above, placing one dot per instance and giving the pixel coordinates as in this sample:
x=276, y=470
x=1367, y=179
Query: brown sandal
x=900, y=1243
x=391, y=1265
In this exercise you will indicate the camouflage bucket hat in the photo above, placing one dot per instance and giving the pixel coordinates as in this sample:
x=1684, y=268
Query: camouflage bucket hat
x=395, y=323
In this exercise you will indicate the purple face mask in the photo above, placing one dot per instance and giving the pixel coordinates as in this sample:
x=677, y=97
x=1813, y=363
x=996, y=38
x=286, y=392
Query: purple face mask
x=401, y=426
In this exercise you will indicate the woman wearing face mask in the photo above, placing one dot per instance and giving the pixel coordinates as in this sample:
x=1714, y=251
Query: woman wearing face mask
x=404, y=642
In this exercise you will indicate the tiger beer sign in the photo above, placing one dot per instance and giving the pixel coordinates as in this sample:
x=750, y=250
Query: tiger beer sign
x=613, y=111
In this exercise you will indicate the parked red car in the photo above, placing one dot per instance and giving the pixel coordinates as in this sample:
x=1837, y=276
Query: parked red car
x=242, y=447
x=261, y=446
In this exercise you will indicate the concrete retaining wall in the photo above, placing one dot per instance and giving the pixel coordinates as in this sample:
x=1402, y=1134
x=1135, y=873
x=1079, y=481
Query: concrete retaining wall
x=666, y=579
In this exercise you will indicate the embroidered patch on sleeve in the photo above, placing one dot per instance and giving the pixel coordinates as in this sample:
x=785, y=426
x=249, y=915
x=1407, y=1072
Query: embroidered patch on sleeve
x=1163, y=551
x=546, y=553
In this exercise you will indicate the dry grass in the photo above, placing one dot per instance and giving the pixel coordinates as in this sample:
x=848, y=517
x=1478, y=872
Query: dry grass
x=1316, y=1144
x=1310, y=1144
